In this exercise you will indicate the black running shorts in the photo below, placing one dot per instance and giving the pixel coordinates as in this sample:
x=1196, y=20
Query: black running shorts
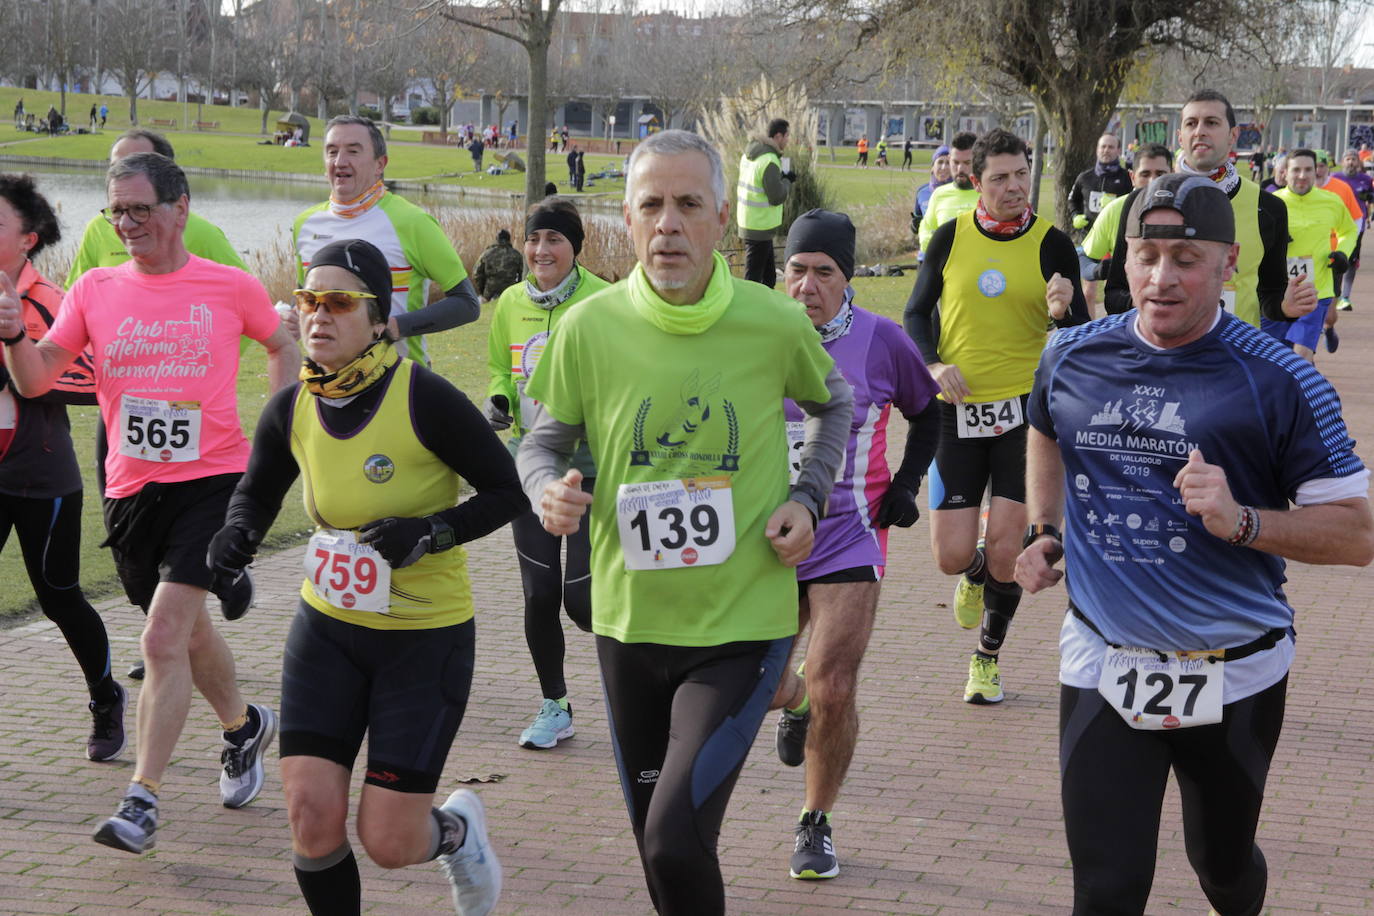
x=405, y=689
x=963, y=467
x=162, y=532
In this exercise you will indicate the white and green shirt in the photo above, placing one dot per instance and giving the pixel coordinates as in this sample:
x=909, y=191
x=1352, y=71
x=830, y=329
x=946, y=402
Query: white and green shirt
x=412, y=241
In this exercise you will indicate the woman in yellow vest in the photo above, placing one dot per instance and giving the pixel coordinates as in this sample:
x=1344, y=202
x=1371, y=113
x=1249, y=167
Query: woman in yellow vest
x=521, y=323
x=382, y=642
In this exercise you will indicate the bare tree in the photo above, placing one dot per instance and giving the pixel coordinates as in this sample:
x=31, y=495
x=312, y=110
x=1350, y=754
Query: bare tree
x=133, y=47
x=1071, y=57
x=446, y=56
x=528, y=23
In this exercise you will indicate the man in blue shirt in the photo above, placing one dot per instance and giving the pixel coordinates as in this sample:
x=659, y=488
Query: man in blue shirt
x=1181, y=435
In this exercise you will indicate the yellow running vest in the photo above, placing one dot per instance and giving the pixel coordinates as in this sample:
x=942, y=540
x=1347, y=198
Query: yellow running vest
x=1245, y=281
x=993, y=315
x=383, y=470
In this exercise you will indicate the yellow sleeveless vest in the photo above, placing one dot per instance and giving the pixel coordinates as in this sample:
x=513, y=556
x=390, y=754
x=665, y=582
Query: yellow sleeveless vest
x=1245, y=281
x=993, y=315
x=383, y=470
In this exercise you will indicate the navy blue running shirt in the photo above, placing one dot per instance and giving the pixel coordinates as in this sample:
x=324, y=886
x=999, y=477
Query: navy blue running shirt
x=1126, y=415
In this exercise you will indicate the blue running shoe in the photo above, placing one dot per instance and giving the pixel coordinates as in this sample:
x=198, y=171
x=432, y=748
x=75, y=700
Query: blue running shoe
x=552, y=725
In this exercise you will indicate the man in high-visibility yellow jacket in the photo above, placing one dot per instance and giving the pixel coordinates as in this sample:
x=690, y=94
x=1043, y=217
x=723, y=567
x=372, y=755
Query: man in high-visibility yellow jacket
x=763, y=186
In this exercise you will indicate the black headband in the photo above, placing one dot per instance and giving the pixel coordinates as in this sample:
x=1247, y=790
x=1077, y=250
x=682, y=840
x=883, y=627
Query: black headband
x=564, y=223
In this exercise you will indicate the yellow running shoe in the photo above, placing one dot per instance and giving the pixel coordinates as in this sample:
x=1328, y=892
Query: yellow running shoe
x=984, y=682
x=968, y=603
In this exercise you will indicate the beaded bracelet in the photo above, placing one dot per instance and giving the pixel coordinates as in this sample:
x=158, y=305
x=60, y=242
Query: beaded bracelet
x=1247, y=527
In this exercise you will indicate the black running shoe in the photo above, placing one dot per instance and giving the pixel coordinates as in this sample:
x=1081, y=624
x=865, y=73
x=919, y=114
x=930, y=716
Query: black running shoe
x=106, y=741
x=792, y=737
x=814, y=856
x=137, y=670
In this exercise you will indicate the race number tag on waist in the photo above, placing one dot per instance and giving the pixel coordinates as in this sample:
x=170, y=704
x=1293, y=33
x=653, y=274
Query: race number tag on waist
x=347, y=574
x=164, y=431
x=1299, y=267
x=796, y=437
x=992, y=418
x=9, y=419
x=1178, y=691
x=1228, y=297
x=1097, y=200
x=667, y=524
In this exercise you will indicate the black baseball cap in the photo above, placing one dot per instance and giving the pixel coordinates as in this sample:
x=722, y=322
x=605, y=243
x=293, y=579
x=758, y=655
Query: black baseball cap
x=1206, y=210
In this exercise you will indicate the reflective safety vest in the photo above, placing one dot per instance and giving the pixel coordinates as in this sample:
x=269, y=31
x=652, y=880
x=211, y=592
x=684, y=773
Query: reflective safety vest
x=753, y=210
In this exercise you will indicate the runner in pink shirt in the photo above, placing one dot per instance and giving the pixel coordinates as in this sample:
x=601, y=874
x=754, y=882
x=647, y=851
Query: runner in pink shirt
x=164, y=331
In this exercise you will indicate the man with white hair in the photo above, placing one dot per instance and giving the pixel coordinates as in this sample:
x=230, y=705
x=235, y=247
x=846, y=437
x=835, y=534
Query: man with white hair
x=676, y=379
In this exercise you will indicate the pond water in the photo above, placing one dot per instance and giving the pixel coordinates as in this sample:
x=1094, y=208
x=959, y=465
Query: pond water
x=252, y=212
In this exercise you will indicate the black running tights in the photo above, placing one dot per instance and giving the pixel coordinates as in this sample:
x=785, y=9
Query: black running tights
x=682, y=721
x=50, y=538
x=1113, y=778
x=549, y=586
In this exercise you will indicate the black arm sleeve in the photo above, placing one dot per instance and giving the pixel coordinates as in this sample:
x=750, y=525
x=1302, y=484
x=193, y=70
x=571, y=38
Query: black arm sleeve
x=450, y=426
x=271, y=469
x=1273, y=269
x=922, y=436
x=919, y=317
x=459, y=306
x=1116, y=296
x=1057, y=256
x=1077, y=205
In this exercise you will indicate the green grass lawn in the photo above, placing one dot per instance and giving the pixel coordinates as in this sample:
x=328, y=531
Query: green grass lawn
x=459, y=355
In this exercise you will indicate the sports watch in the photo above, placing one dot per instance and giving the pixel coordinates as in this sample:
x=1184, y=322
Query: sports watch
x=441, y=536
x=1034, y=531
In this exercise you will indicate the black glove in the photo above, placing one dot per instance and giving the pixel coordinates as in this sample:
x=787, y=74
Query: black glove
x=400, y=541
x=1338, y=262
x=915, y=224
x=898, y=507
x=498, y=412
x=231, y=549
x=790, y=176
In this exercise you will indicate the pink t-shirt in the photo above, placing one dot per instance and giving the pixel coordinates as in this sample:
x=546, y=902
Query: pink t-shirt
x=166, y=350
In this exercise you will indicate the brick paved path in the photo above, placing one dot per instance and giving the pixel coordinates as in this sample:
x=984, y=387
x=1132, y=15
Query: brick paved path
x=948, y=809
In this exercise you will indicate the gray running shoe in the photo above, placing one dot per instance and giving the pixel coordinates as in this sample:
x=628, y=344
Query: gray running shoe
x=134, y=825
x=242, y=778
x=473, y=869
x=814, y=856
x=107, y=739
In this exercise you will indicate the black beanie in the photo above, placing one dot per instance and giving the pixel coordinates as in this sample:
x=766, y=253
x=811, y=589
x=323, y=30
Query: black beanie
x=826, y=232
x=363, y=260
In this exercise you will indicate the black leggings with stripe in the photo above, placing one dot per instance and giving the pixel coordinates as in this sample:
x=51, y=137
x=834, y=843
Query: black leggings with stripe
x=549, y=586
x=682, y=721
x=1113, y=778
x=50, y=539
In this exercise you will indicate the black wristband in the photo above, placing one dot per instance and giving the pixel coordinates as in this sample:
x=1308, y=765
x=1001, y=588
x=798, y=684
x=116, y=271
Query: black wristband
x=1034, y=532
x=17, y=338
